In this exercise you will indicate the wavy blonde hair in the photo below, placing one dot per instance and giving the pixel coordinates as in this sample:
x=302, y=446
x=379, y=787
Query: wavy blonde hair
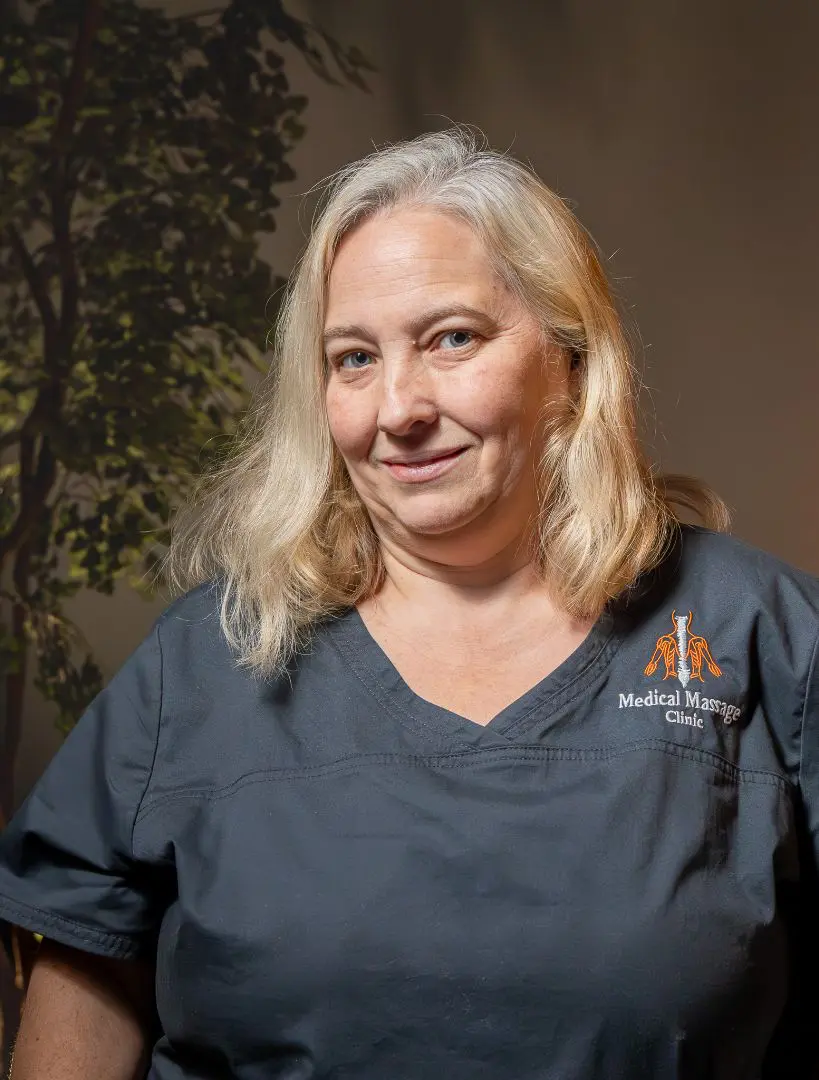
x=277, y=520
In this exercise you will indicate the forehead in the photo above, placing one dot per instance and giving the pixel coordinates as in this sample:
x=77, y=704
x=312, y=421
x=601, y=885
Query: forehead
x=408, y=253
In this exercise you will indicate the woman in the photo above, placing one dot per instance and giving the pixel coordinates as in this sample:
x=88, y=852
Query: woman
x=459, y=755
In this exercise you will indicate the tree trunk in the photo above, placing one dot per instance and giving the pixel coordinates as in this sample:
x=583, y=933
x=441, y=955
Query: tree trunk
x=20, y=946
x=12, y=728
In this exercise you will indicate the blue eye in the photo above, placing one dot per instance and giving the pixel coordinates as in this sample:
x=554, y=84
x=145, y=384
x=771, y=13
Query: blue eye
x=357, y=352
x=460, y=333
x=339, y=362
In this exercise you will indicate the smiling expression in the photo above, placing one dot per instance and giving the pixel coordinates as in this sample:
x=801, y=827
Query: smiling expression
x=427, y=350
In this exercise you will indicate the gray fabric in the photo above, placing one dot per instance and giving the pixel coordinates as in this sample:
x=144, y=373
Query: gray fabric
x=614, y=879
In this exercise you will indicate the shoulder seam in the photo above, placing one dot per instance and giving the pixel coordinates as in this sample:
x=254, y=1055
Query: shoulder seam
x=145, y=790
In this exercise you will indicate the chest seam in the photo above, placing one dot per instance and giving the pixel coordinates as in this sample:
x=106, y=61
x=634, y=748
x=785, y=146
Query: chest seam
x=464, y=758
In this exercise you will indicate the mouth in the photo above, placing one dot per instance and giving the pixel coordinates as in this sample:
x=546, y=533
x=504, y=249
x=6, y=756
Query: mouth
x=427, y=461
x=424, y=471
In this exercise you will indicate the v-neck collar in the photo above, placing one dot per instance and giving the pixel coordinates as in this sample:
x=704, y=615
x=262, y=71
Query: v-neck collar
x=513, y=723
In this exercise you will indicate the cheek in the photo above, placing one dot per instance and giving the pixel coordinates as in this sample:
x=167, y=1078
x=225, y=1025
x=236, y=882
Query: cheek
x=349, y=422
x=495, y=406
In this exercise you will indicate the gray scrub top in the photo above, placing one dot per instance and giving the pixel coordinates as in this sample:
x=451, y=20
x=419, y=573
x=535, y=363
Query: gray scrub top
x=614, y=879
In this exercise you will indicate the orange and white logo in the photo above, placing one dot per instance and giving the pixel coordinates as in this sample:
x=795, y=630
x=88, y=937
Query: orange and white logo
x=682, y=653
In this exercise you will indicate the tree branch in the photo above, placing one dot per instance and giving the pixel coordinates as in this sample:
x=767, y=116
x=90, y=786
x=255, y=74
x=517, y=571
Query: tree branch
x=75, y=85
x=36, y=480
x=36, y=286
x=35, y=485
x=69, y=279
x=59, y=194
x=36, y=477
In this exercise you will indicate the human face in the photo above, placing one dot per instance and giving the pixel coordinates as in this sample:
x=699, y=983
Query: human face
x=406, y=379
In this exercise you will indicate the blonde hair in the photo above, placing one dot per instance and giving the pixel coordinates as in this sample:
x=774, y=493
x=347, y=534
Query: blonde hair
x=277, y=519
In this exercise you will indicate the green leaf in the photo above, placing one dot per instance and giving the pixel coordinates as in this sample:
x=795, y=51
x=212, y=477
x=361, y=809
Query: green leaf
x=181, y=138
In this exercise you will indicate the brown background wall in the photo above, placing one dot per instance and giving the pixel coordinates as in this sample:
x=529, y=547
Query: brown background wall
x=684, y=134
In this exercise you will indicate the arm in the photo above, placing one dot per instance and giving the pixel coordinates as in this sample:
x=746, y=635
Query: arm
x=85, y=1016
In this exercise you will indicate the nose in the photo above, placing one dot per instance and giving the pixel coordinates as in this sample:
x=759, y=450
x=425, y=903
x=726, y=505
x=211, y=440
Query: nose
x=407, y=396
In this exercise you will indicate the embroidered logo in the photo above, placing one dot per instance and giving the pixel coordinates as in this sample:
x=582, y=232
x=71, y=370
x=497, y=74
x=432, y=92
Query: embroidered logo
x=682, y=653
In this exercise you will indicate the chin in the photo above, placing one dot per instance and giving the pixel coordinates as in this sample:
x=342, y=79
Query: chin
x=436, y=524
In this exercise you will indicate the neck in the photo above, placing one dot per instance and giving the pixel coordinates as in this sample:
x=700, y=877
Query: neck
x=469, y=598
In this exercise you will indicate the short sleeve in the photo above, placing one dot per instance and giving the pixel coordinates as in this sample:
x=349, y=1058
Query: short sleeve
x=67, y=870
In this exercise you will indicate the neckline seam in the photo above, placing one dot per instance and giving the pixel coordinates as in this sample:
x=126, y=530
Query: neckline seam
x=375, y=688
x=564, y=695
x=416, y=708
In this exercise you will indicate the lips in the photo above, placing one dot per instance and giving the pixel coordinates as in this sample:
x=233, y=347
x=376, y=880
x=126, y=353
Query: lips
x=426, y=461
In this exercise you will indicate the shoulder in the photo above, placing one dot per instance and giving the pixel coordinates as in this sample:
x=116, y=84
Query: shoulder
x=757, y=614
x=198, y=672
x=753, y=614
x=735, y=573
x=190, y=635
x=743, y=559
x=221, y=720
x=733, y=630
x=195, y=608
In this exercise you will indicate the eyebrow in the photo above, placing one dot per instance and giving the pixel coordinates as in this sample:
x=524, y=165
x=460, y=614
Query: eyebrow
x=417, y=324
